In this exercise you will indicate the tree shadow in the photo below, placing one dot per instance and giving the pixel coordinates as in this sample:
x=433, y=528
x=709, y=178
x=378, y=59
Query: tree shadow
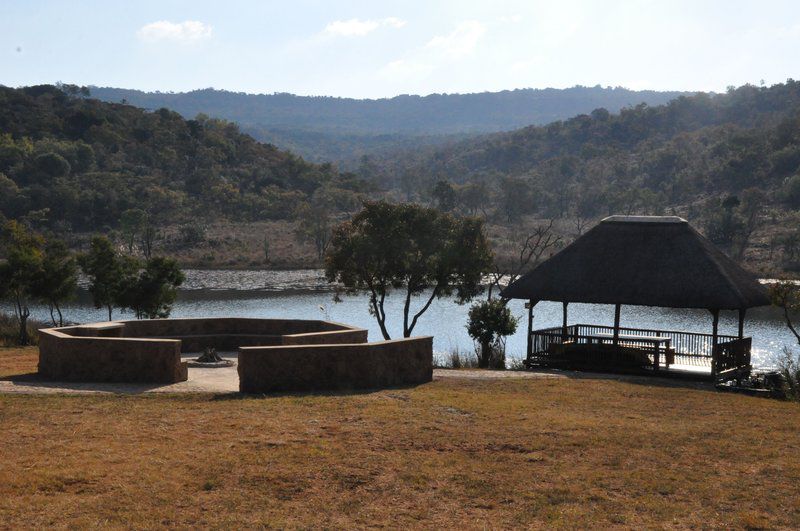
x=238, y=395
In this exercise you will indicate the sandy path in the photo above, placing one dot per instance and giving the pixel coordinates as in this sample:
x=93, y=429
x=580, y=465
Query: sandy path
x=216, y=380
x=226, y=380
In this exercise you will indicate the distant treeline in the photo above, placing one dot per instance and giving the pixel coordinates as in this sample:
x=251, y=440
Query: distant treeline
x=341, y=129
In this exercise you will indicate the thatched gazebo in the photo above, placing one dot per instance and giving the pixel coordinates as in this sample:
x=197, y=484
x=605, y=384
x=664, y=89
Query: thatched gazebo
x=647, y=261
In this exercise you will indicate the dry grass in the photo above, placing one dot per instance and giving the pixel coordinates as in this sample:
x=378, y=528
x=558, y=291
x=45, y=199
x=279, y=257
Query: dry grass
x=505, y=453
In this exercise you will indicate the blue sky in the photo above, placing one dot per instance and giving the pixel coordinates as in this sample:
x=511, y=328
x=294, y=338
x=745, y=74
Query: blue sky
x=379, y=49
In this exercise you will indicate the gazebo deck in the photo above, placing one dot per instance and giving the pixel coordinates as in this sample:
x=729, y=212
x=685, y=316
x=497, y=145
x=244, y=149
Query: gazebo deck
x=662, y=352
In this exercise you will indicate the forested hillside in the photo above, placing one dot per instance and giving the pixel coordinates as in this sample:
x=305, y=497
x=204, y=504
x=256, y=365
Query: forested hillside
x=643, y=159
x=71, y=163
x=729, y=163
x=343, y=129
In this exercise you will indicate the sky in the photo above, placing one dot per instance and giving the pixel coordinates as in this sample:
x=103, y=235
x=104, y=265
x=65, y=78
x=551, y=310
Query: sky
x=375, y=49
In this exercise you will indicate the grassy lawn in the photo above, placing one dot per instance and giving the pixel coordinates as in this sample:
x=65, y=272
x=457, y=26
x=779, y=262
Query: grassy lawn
x=478, y=453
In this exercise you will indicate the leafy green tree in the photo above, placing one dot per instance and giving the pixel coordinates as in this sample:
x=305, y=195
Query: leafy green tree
x=791, y=191
x=108, y=272
x=315, y=224
x=20, y=271
x=474, y=197
x=419, y=250
x=58, y=279
x=723, y=224
x=52, y=165
x=152, y=292
x=131, y=224
x=489, y=322
x=445, y=196
x=515, y=197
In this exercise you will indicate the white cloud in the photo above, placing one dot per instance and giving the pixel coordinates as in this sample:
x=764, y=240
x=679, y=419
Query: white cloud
x=358, y=28
x=439, y=52
x=459, y=42
x=163, y=30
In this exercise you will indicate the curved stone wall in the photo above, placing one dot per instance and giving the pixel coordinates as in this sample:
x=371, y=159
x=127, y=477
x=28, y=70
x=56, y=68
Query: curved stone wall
x=325, y=367
x=150, y=350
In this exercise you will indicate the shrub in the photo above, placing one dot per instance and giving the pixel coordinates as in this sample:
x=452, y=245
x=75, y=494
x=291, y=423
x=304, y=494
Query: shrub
x=489, y=322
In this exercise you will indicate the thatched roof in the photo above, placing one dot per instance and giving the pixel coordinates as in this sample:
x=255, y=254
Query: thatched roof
x=642, y=260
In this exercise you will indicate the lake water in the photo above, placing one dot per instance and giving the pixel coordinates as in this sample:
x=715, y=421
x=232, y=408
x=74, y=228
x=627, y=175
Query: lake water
x=306, y=295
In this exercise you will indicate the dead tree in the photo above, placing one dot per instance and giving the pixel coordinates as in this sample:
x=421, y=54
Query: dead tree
x=537, y=243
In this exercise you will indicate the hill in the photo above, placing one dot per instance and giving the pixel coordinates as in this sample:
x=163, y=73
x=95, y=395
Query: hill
x=68, y=162
x=338, y=129
x=730, y=163
x=749, y=137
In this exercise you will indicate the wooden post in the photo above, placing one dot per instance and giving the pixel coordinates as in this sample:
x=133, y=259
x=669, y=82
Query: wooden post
x=530, y=306
x=742, y=311
x=564, y=326
x=714, y=341
x=617, y=308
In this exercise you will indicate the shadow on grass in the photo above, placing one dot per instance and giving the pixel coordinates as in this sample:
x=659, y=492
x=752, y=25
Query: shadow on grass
x=650, y=380
x=34, y=382
x=320, y=393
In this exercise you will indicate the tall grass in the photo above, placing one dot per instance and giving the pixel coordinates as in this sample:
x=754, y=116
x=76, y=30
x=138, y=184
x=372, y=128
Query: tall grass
x=790, y=370
x=455, y=359
x=9, y=331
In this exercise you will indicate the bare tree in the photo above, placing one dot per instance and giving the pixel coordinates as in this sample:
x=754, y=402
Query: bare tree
x=536, y=244
x=581, y=224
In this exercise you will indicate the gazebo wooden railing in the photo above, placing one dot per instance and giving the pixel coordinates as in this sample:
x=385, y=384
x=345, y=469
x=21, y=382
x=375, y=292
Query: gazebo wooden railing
x=594, y=345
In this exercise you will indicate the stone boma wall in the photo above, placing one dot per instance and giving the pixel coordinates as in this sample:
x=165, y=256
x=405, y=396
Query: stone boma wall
x=331, y=367
x=150, y=350
x=86, y=358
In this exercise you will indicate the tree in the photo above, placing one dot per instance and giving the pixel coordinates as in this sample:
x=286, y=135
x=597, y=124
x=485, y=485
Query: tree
x=152, y=292
x=791, y=191
x=445, y=196
x=723, y=224
x=412, y=248
x=57, y=280
x=20, y=271
x=108, y=272
x=149, y=236
x=751, y=205
x=314, y=224
x=515, y=199
x=489, y=322
x=786, y=296
x=474, y=197
x=529, y=254
x=52, y=165
x=131, y=224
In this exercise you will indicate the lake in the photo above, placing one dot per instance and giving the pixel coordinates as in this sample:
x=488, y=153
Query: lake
x=305, y=294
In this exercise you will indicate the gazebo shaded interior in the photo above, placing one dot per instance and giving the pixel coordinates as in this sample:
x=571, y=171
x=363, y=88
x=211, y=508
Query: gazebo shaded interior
x=648, y=261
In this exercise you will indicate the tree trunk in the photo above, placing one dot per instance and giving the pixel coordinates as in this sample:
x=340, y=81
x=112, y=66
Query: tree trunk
x=60, y=316
x=109, y=311
x=486, y=355
x=24, y=339
x=380, y=315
